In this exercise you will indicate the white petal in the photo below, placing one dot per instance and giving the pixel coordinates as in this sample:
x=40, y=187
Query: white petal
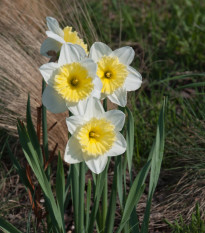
x=90, y=65
x=119, y=97
x=54, y=26
x=47, y=70
x=97, y=165
x=133, y=80
x=55, y=37
x=117, y=118
x=79, y=108
x=74, y=122
x=119, y=146
x=99, y=49
x=52, y=101
x=94, y=108
x=97, y=88
x=125, y=54
x=73, y=152
x=71, y=53
x=49, y=44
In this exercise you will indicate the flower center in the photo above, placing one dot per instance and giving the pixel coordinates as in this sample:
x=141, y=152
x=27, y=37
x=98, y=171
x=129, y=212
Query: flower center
x=96, y=137
x=92, y=134
x=72, y=37
x=112, y=74
x=73, y=83
x=108, y=74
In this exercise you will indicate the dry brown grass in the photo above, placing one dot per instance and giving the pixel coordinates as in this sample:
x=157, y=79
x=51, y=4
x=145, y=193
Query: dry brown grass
x=23, y=26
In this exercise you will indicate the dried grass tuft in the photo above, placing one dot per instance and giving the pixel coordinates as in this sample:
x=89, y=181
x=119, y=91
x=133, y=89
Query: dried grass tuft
x=179, y=199
x=23, y=27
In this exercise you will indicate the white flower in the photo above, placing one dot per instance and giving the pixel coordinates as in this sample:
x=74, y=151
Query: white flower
x=70, y=81
x=114, y=71
x=95, y=136
x=57, y=37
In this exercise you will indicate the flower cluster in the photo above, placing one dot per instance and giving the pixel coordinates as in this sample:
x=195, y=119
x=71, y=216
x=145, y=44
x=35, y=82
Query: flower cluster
x=78, y=82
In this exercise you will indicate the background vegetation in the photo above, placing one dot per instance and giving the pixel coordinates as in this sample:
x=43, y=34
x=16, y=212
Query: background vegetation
x=168, y=38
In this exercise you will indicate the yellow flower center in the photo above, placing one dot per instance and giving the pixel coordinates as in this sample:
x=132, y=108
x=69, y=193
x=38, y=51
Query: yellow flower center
x=96, y=137
x=73, y=83
x=72, y=37
x=112, y=74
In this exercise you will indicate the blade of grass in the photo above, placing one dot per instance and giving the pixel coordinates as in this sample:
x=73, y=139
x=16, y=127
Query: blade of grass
x=199, y=84
x=178, y=77
x=3, y=147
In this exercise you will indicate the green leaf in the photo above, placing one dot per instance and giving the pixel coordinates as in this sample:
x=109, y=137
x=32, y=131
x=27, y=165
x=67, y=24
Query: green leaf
x=156, y=155
x=134, y=222
x=32, y=133
x=60, y=186
x=67, y=191
x=134, y=195
x=33, y=160
x=8, y=227
x=119, y=182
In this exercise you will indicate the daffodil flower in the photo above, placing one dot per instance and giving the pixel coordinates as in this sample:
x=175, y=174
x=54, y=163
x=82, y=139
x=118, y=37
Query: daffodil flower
x=58, y=36
x=114, y=71
x=70, y=81
x=95, y=136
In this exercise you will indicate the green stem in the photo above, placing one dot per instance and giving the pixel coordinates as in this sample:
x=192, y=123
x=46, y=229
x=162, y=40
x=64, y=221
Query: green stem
x=104, y=203
x=105, y=189
x=75, y=194
x=81, y=196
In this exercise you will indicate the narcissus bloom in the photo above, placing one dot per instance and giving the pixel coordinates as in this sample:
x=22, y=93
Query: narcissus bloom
x=114, y=71
x=70, y=81
x=95, y=136
x=58, y=36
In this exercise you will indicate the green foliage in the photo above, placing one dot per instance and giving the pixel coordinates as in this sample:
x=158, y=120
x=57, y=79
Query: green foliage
x=196, y=225
x=7, y=227
x=28, y=139
x=170, y=33
x=167, y=37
